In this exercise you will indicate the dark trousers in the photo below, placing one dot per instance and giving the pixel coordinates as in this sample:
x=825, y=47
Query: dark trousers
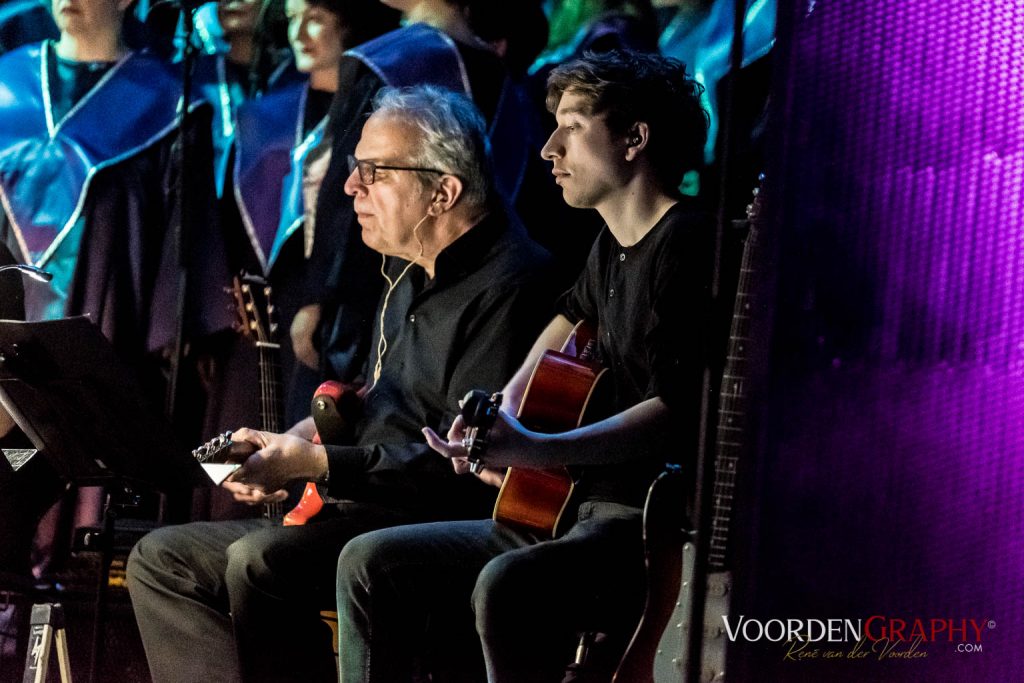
x=527, y=599
x=240, y=600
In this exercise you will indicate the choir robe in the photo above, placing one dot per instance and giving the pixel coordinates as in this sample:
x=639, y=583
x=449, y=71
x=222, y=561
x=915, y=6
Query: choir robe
x=91, y=197
x=268, y=235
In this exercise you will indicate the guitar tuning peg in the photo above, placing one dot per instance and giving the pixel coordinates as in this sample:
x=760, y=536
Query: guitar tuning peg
x=273, y=328
x=266, y=291
x=249, y=307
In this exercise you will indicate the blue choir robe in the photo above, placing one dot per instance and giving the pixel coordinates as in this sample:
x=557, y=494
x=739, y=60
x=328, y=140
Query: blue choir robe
x=90, y=196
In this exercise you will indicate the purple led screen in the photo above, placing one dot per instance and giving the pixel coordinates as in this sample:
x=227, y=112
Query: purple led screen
x=888, y=476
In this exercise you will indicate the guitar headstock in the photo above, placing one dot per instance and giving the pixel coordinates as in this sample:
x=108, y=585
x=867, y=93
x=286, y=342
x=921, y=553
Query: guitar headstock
x=213, y=449
x=257, y=317
x=757, y=202
x=479, y=411
x=582, y=343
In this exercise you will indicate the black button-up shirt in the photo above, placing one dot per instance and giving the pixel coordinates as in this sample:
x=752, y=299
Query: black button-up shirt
x=650, y=302
x=467, y=328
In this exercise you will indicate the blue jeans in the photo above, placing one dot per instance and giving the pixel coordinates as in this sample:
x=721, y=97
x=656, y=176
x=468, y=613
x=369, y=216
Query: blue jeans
x=527, y=598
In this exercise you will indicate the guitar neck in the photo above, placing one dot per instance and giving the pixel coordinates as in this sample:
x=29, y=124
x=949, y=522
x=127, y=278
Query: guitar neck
x=732, y=414
x=271, y=404
x=271, y=389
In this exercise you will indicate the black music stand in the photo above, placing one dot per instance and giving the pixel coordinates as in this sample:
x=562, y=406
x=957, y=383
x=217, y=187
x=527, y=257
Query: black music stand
x=84, y=412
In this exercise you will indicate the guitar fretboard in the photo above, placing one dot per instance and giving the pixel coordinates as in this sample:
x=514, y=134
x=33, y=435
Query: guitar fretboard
x=271, y=404
x=732, y=415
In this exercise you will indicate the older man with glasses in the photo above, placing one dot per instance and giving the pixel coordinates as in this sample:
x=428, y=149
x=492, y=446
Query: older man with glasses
x=460, y=310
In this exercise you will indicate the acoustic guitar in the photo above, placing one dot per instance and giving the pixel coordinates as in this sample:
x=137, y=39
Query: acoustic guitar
x=566, y=390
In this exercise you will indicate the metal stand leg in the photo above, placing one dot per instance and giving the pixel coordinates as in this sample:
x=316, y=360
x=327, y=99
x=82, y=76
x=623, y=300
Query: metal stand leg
x=46, y=623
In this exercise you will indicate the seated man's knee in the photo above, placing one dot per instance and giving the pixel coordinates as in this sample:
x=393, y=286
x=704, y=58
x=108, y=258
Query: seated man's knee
x=153, y=555
x=499, y=588
x=137, y=564
x=247, y=560
x=360, y=559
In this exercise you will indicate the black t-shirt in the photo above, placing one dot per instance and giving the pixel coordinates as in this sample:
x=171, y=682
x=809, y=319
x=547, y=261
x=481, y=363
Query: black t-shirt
x=651, y=303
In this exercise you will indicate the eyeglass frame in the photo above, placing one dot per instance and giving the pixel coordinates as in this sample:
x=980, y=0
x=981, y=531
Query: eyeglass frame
x=354, y=164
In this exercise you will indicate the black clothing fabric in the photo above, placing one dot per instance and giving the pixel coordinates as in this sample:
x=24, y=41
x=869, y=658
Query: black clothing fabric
x=238, y=600
x=487, y=295
x=12, y=291
x=667, y=275
x=318, y=102
x=23, y=22
x=413, y=592
x=71, y=80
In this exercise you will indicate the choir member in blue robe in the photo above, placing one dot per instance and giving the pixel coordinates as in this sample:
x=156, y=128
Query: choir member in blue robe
x=241, y=57
x=88, y=181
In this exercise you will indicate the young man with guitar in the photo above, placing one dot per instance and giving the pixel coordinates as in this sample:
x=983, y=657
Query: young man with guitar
x=238, y=600
x=629, y=126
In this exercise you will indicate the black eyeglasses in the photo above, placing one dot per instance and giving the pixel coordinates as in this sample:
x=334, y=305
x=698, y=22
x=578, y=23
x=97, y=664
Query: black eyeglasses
x=368, y=169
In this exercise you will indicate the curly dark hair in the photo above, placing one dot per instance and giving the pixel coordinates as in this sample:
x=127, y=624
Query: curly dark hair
x=630, y=87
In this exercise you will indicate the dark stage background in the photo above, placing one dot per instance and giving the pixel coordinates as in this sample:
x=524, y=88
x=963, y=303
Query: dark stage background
x=888, y=475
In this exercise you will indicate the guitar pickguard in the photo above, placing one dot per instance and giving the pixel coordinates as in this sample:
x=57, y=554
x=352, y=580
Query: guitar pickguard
x=673, y=654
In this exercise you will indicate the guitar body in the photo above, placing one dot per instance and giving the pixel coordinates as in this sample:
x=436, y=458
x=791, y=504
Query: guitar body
x=335, y=409
x=672, y=654
x=665, y=533
x=563, y=393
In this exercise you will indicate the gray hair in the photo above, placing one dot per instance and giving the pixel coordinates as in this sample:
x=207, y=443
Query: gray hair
x=454, y=136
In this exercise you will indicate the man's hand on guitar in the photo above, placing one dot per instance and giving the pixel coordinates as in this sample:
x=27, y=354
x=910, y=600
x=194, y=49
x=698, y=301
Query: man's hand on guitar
x=277, y=459
x=453, y=449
